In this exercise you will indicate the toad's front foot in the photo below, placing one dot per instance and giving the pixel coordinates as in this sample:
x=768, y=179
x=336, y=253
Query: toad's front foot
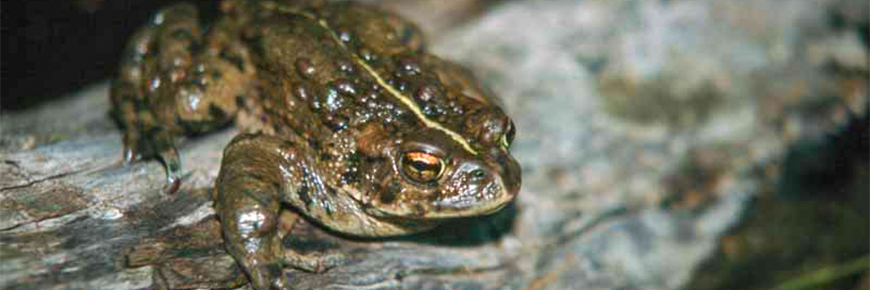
x=155, y=142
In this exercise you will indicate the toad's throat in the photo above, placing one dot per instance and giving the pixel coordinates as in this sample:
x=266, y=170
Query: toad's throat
x=404, y=99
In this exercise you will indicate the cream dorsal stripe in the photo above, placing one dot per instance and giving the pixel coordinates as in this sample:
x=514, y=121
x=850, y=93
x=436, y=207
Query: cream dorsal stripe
x=409, y=102
x=392, y=90
x=401, y=97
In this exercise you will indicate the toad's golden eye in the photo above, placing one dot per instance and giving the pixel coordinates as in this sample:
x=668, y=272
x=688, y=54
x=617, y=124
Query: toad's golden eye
x=422, y=167
x=508, y=138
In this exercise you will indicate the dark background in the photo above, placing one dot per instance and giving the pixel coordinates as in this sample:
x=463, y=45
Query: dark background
x=52, y=48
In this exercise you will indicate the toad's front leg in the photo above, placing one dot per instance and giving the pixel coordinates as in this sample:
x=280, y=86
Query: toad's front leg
x=255, y=173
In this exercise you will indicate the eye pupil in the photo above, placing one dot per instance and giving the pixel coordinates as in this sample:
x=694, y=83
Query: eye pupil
x=421, y=167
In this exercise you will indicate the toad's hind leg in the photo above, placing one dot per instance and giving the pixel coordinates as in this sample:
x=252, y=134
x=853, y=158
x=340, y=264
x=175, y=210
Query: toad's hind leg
x=175, y=79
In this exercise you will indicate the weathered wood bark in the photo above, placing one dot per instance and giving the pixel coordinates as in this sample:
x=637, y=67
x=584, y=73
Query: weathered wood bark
x=642, y=141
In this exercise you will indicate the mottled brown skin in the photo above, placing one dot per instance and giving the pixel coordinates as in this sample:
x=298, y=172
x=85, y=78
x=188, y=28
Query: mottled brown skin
x=347, y=120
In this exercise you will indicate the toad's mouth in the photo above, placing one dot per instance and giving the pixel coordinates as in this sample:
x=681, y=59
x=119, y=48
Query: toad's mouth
x=443, y=209
x=488, y=200
x=451, y=209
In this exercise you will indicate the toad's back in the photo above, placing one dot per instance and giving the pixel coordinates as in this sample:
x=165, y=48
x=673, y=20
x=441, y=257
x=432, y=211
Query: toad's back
x=349, y=65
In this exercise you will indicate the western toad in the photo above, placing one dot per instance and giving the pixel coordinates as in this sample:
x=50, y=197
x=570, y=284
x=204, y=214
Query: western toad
x=345, y=118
